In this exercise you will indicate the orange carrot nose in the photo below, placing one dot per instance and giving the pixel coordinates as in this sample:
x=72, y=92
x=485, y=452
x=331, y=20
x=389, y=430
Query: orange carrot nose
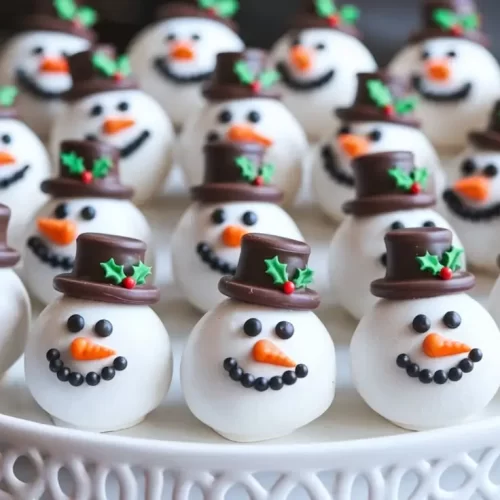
x=115, y=125
x=264, y=351
x=353, y=145
x=54, y=65
x=60, y=232
x=231, y=236
x=245, y=133
x=6, y=158
x=181, y=51
x=439, y=71
x=436, y=346
x=301, y=58
x=83, y=349
x=476, y=188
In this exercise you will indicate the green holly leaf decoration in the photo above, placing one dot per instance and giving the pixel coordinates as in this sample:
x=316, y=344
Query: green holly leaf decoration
x=420, y=175
x=325, y=8
x=403, y=180
x=223, y=8
x=269, y=77
x=101, y=167
x=444, y=18
x=141, y=272
x=243, y=72
x=303, y=277
x=405, y=105
x=73, y=163
x=430, y=263
x=247, y=167
x=104, y=64
x=123, y=65
x=267, y=172
x=86, y=16
x=470, y=22
x=452, y=259
x=276, y=270
x=206, y=4
x=113, y=271
x=349, y=14
x=66, y=9
x=379, y=93
x=8, y=95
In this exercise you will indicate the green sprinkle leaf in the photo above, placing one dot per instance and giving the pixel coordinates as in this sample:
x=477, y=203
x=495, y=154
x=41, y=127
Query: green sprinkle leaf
x=243, y=72
x=141, y=272
x=445, y=18
x=452, y=258
x=269, y=77
x=267, y=172
x=227, y=8
x=206, y=4
x=113, y=271
x=325, y=8
x=87, y=16
x=247, y=167
x=73, y=163
x=406, y=105
x=349, y=14
x=101, y=167
x=276, y=270
x=420, y=175
x=104, y=64
x=8, y=95
x=66, y=9
x=379, y=93
x=123, y=65
x=303, y=277
x=403, y=180
x=430, y=263
x=470, y=22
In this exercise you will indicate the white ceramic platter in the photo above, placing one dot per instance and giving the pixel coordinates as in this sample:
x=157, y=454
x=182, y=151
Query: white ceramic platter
x=348, y=454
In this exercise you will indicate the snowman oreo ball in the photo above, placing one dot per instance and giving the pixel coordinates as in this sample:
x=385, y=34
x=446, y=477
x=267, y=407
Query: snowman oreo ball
x=381, y=119
x=87, y=196
x=317, y=77
x=236, y=197
x=99, y=358
x=105, y=104
x=261, y=364
x=173, y=57
x=391, y=193
x=35, y=58
x=426, y=355
x=457, y=78
x=243, y=106
x=15, y=306
x=24, y=163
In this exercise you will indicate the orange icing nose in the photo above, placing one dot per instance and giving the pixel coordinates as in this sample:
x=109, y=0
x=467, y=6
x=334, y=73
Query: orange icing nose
x=54, y=65
x=83, y=349
x=265, y=351
x=114, y=126
x=476, y=188
x=182, y=51
x=353, y=145
x=436, y=346
x=60, y=232
x=301, y=58
x=232, y=235
x=245, y=133
x=438, y=70
x=6, y=158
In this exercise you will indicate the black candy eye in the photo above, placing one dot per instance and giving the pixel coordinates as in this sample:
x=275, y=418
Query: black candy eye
x=103, y=328
x=468, y=167
x=218, y=216
x=452, y=319
x=88, y=213
x=429, y=223
x=253, y=116
x=249, y=218
x=195, y=37
x=375, y=136
x=212, y=137
x=123, y=106
x=284, y=330
x=320, y=46
x=345, y=129
x=421, y=323
x=225, y=116
x=91, y=137
x=451, y=54
x=37, y=51
x=490, y=170
x=170, y=37
x=295, y=41
x=425, y=55
x=61, y=211
x=96, y=110
x=397, y=225
x=75, y=323
x=252, y=327
x=6, y=139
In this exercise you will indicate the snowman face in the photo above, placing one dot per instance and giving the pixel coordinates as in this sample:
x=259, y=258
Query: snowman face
x=39, y=61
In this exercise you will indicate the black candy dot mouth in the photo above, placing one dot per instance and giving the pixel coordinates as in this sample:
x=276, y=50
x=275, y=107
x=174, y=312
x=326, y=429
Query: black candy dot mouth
x=207, y=256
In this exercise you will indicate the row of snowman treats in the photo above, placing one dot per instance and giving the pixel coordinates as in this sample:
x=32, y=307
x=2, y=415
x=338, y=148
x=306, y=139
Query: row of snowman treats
x=424, y=356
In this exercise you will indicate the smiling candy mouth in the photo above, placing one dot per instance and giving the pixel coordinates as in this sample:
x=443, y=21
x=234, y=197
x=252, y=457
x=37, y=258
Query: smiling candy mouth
x=133, y=146
x=457, y=95
x=207, y=255
x=261, y=384
x=30, y=86
x=15, y=177
x=46, y=255
x=162, y=67
x=332, y=167
x=460, y=209
x=291, y=82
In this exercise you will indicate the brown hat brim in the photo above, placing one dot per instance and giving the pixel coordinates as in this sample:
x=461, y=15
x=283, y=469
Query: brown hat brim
x=98, y=85
x=373, y=205
x=309, y=21
x=485, y=140
x=371, y=114
x=103, y=292
x=422, y=289
x=42, y=22
x=178, y=9
x=222, y=192
x=229, y=92
x=429, y=33
x=300, y=300
x=9, y=257
x=68, y=188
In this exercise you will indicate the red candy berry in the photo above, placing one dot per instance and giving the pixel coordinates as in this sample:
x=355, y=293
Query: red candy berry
x=128, y=283
x=289, y=287
x=333, y=21
x=212, y=12
x=446, y=273
x=457, y=30
x=118, y=77
x=415, y=188
x=389, y=110
x=256, y=86
x=87, y=177
x=259, y=181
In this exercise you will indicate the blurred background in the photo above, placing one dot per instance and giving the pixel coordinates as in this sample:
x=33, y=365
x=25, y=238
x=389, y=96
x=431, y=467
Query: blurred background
x=385, y=23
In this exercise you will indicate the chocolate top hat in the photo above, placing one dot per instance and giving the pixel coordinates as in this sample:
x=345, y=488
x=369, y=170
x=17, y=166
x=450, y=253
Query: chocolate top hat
x=87, y=169
x=326, y=14
x=236, y=172
x=421, y=263
x=98, y=71
x=242, y=75
x=65, y=16
x=386, y=182
x=109, y=269
x=8, y=96
x=381, y=97
x=489, y=138
x=218, y=10
x=450, y=18
x=273, y=272
x=8, y=256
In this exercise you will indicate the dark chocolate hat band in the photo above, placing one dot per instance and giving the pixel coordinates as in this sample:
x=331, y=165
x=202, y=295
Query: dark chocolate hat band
x=489, y=138
x=8, y=256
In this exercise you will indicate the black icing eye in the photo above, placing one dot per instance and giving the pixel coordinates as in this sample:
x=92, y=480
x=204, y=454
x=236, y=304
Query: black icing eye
x=75, y=323
x=490, y=170
x=88, y=213
x=451, y=54
x=249, y=218
x=468, y=167
x=452, y=319
x=61, y=211
x=103, y=328
x=421, y=323
x=123, y=106
x=6, y=139
x=96, y=110
x=320, y=46
x=253, y=116
x=252, y=327
x=295, y=41
x=170, y=37
x=225, y=116
x=397, y=225
x=218, y=216
x=212, y=137
x=345, y=129
x=195, y=37
x=425, y=55
x=375, y=136
x=37, y=51
x=429, y=223
x=284, y=330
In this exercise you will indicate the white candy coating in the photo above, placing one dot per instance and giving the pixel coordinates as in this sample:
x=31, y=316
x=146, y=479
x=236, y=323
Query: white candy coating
x=195, y=278
x=244, y=414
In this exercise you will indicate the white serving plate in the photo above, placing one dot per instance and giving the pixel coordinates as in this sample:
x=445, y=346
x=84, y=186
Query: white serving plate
x=350, y=453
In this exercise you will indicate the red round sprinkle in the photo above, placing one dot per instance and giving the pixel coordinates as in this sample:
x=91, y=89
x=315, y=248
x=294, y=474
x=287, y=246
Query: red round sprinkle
x=389, y=109
x=333, y=21
x=446, y=273
x=212, y=11
x=256, y=86
x=128, y=282
x=87, y=177
x=415, y=188
x=259, y=181
x=457, y=30
x=118, y=77
x=289, y=287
